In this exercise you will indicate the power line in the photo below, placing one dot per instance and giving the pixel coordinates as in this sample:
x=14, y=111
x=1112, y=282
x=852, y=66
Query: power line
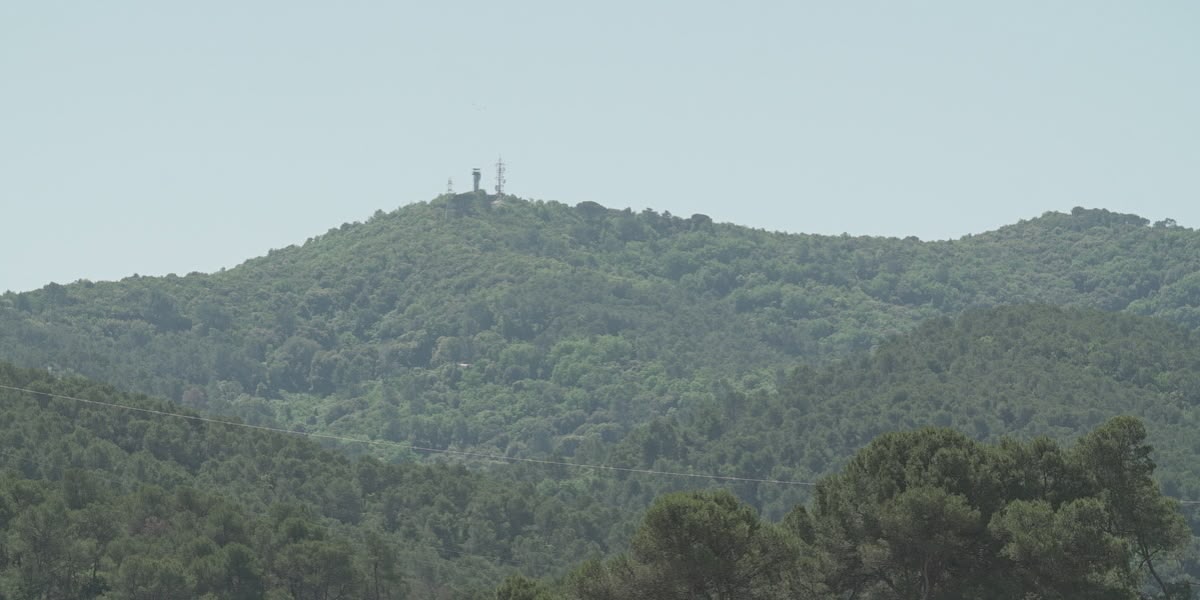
x=428, y=560
x=494, y=559
x=462, y=453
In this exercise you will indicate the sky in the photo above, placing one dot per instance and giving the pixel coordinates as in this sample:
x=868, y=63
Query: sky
x=168, y=137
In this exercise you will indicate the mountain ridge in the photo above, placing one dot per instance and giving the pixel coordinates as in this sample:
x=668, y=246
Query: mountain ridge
x=464, y=322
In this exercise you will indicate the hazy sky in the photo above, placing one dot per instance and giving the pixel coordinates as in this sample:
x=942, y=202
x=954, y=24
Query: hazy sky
x=155, y=137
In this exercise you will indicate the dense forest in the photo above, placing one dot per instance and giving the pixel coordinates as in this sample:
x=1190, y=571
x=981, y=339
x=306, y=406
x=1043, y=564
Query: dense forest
x=134, y=503
x=532, y=328
x=1024, y=371
x=98, y=501
x=920, y=514
x=508, y=331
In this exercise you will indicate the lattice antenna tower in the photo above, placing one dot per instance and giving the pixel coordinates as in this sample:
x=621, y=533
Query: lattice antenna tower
x=449, y=185
x=500, y=180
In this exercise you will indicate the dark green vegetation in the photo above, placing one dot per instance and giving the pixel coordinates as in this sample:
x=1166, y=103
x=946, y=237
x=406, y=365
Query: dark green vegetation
x=534, y=328
x=136, y=505
x=923, y=514
x=1022, y=371
x=593, y=336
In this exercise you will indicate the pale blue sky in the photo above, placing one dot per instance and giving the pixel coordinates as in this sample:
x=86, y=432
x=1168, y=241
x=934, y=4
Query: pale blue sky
x=157, y=137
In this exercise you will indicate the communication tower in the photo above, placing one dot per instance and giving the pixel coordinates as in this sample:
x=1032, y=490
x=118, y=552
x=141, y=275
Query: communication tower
x=449, y=185
x=500, y=176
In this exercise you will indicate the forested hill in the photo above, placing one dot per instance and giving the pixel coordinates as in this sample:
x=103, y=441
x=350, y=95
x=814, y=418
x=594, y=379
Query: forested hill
x=130, y=499
x=535, y=328
x=190, y=507
x=1015, y=371
x=99, y=501
x=1024, y=378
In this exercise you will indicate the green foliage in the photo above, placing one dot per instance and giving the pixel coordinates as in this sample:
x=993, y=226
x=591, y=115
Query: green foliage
x=536, y=328
x=925, y=514
x=97, y=501
x=1024, y=371
x=519, y=587
x=707, y=545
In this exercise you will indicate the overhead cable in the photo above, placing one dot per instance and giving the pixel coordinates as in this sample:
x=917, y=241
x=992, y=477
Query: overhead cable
x=426, y=449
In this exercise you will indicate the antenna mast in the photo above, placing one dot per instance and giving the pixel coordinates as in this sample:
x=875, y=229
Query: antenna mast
x=450, y=185
x=500, y=176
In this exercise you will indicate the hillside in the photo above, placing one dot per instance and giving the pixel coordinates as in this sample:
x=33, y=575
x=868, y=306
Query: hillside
x=880, y=435
x=535, y=329
x=132, y=503
x=1023, y=371
x=1019, y=371
x=918, y=514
